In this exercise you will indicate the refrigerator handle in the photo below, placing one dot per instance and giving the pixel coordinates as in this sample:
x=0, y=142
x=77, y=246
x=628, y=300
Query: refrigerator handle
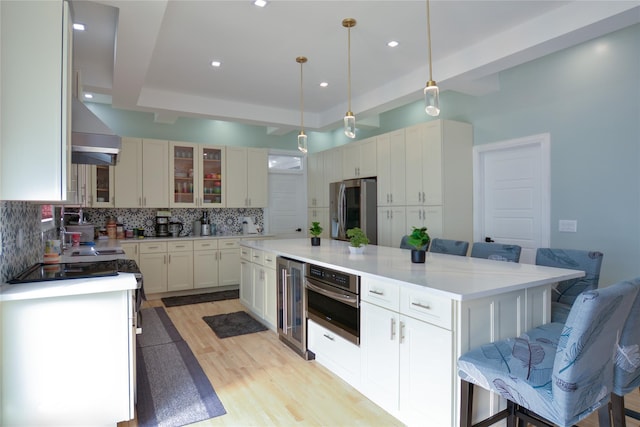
x=342, y=206
x=285, y=298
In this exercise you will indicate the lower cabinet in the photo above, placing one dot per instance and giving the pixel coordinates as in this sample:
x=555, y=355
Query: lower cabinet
x=180, y=265
x=153, y=266
x=228, y=262
x=205, y=264
x=258, y=284
x=335, y=353
x=392, y=225
x=131, y=250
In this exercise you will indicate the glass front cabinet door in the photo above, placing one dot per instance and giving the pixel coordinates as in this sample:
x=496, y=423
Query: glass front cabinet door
x=212, y=176
x=183, y=162
x=102, y=186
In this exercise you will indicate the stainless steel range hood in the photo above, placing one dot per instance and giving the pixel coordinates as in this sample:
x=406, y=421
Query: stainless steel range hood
x=92, y=142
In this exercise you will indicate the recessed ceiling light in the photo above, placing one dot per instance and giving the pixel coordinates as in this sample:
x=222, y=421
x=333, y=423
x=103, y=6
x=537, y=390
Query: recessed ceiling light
x=216, y=64
x=324, y=84
x=88, y=95
x=260, y=3
x=78, y=26
x=393, y=43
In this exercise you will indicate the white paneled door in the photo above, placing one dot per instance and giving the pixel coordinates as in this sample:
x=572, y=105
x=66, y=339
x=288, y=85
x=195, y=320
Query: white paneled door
x=512, y=193
x=287, y=211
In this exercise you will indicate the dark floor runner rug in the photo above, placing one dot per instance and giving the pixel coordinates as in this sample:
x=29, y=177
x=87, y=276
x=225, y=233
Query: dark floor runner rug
x=200, y=298
x=173, y=390
x=233, y=324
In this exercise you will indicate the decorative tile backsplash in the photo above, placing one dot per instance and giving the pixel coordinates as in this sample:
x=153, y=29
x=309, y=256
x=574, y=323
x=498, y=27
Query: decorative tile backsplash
x=22, y=240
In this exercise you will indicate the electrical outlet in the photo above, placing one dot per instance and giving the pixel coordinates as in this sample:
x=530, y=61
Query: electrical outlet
x=20, y=239
x=568, y=225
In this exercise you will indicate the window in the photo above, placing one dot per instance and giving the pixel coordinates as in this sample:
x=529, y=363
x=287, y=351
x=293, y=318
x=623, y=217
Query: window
x=285, y=163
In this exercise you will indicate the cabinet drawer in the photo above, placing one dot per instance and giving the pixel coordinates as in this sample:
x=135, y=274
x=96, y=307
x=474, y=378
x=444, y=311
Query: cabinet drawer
x=334, y=352
x=380, y=293
x=153, y=248
x=228, y=243
x=257, y=256
x=427, y=307
x=205, y=245
x=269, y=260
x=181, y=246
x=245, y=253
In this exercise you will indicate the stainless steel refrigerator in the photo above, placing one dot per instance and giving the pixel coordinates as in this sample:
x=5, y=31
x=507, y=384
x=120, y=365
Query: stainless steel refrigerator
x=353, y=203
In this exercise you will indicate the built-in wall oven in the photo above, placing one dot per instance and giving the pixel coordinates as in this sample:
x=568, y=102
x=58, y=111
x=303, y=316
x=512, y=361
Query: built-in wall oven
x=333, y=300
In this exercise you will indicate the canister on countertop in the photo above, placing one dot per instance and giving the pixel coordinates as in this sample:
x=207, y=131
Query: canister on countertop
x=119, y=231
x=196, y=227
x=111, y=228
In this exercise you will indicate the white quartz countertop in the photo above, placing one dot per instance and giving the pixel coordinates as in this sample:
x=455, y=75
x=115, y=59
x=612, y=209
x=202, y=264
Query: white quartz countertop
x=61, y=288
x=455, y=277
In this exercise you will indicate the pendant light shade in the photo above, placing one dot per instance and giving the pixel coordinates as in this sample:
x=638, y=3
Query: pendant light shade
x=431, y=91
x=349, y=117
x=302, y=138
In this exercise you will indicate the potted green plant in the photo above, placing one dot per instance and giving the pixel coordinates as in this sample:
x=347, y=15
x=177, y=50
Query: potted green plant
x=315, y=232
x=357, y=240
x=419, y=241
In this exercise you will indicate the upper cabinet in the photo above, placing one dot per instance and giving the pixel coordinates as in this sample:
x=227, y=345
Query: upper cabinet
x=212, y=176
x=35, y=100
x=101, y=188
x=359, y=159
x=198, y=173
x=247, y=174
x=315, y=180
x=142, y=174
x=391, y=168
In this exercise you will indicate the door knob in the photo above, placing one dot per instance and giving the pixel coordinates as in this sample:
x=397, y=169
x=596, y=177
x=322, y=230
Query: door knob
x=489, y=240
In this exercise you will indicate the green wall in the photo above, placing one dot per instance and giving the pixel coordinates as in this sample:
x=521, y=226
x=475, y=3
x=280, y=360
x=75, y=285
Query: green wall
x=586, y=97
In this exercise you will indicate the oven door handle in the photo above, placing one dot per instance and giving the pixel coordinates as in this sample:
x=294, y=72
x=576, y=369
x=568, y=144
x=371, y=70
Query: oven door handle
x=348, y=299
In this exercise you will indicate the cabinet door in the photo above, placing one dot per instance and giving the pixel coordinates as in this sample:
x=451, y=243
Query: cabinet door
x=315, y=180
x=78, y=189
x=380, y=355
x=154, y=272
x=426, y=376
x=257, y=177
x=184, y=165
x=180, y=271
x=102, y=193
x=229, y=267
x=428, y=216
x=320, y=215
x=367, y=166
x=270, y=297
x=205, y=269
x=236, y=182
x=128, y=174
x=392, y=225
x=432, y=163
x=413, y=164
x=213, y=176
x=259, y=289
x=384, y=172
x=332, y=168
x=155, y=173
x=246, y=283
x=350, y=160
x=35, y=101
x=131, y=251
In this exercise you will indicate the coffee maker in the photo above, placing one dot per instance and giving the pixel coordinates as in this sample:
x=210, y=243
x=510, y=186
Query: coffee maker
x=162, y=225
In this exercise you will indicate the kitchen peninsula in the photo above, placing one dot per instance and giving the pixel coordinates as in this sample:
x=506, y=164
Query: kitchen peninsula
x=417, y=319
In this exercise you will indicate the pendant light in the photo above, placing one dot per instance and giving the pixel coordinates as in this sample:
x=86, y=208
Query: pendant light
x=431, y=91
x=302, y=138
x=349, y=118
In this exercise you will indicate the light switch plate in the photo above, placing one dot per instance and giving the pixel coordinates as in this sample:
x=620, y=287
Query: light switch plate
x=568, y=225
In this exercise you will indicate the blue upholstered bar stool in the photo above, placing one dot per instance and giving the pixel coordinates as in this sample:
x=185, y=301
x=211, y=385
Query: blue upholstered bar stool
x=447, y=246
x=626, y=373
x=555, y=374
x=566, y=292
x=496, y=251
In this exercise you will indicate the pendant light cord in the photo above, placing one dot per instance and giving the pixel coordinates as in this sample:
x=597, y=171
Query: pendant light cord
x=301, y=101
x=429, y=39
x=349, y=69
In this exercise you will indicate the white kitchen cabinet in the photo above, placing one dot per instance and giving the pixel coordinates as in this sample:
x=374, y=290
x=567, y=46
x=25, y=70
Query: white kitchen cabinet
x=332, y=168
x=212, y=176
x=101, y=186
x=78, y=188
x=197, y=174
x=359, y=159
x=142, y=174
x=315, y=181
x=131, y=251
x=35, y=100
x=246, y=277
x=439, y=172
x=180, y=265
x=337, y=354
x=258, y=291
x=205, y=264
x=153, y=266
x=229, y=261
x=392, y=225
x=391, y=169
x=247, y=177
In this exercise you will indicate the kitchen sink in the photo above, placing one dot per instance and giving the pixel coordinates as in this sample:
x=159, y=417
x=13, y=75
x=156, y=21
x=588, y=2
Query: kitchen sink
x=94, y=252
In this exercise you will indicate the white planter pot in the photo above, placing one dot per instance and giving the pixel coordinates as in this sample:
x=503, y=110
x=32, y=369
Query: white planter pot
x=354, y=250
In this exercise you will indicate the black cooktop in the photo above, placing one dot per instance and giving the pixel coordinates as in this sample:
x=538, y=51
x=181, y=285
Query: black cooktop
x=73, y=270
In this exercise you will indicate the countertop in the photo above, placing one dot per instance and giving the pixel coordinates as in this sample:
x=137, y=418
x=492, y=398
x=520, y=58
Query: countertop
x=455, y=277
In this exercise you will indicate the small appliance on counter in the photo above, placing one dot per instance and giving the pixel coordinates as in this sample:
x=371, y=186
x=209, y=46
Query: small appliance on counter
x=249, y=226
x=175, y=228
x=162, y=223
x=205, y=227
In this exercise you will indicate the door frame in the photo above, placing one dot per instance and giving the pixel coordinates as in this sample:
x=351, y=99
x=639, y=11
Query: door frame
x=543, y=143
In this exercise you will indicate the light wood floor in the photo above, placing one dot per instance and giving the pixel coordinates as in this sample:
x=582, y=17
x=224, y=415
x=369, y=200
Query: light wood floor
x=261, y=382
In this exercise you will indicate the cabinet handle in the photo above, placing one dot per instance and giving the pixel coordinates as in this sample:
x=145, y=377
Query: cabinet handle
x=139, y=201
x=393, y=328
x=145, y=201
x=268, y=259
x=391, y=212
x=179, y=246
x=256, y=256
x=424, y=199
x=401, y=332
x=373, y=291
x=419, y=305
x=169, y=258
x=205, y=245
x=391, y=197
x=329, y=337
